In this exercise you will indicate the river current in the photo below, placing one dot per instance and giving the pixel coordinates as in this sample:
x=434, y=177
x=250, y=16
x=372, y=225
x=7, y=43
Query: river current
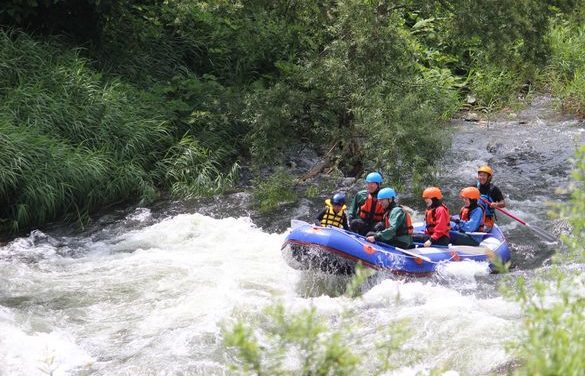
x=149, y=293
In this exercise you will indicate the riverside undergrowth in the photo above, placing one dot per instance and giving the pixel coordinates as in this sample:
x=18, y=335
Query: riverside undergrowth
x=553, y=341
x=173, y=98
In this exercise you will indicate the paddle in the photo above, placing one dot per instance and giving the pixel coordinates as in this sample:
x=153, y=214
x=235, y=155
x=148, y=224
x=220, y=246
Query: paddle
x=405, y=251
x=413, y=254
x=545, y=235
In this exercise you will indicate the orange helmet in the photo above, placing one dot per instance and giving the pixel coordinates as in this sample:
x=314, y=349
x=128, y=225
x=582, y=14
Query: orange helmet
x=432, y=192
x=487, y=169
x=471, y=193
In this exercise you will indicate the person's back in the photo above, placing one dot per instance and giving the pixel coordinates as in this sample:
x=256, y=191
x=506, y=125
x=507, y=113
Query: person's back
x=334, y=212
x=397, y=226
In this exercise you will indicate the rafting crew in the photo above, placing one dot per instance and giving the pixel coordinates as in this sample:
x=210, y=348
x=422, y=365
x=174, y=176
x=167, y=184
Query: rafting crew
x=491, y=198
x=334, y=212
x=375, y=213
x=365, y=210
x=396, y=228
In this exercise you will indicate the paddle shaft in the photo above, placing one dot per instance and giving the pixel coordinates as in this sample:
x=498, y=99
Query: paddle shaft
x=538, y=231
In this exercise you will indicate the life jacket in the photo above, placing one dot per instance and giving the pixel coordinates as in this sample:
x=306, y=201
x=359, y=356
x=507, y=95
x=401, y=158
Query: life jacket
x=406, y=228
x=465, y=213
x=488, y=212
x=332, y=218
x=371, y=211
x=430, y=219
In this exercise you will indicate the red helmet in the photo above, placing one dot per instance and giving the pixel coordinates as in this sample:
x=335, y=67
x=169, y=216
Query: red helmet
x=471, y=193
x=432, y=192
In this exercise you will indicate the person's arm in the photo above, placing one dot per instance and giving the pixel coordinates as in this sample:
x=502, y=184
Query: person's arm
x=344, y=221
x=396, y=219
x=498, y=199
x=353, y=206
x=321, y=215
x=473, y=223
x=442, y=224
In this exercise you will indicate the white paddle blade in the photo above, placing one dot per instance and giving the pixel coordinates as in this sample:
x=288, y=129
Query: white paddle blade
x=295, y=223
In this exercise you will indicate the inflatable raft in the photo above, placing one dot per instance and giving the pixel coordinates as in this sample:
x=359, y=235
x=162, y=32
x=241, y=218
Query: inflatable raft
x=337, y=251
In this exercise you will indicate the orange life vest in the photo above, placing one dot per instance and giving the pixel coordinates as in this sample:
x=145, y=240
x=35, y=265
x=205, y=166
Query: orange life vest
x=464, y=215
x=406, y=228
x=371, y=210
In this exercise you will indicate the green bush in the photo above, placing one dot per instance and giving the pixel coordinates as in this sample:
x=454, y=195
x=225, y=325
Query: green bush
x=283, y=342
x=71, y=142
x=554, y=307
x=274, y=191
x=566, y=71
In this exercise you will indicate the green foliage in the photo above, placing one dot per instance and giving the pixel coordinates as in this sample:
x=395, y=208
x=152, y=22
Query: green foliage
x=71, y=143
x=353, y=288
x=175, y=95
x=196, y=171
x=304, y=337
x=283, y=342
x=495, y=86
x=554, y=325
x=566, y=71
x=74, y=142
x=274, y=191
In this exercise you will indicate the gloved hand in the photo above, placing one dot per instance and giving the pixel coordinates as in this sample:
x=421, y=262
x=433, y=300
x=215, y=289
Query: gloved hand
x=455, y=218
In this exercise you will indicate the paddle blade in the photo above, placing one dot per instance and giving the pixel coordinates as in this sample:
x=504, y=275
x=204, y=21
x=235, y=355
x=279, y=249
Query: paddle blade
x=294, y=223
x=543, y=234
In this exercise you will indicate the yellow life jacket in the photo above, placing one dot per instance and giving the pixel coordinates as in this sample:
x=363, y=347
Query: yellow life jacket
x=332, y=218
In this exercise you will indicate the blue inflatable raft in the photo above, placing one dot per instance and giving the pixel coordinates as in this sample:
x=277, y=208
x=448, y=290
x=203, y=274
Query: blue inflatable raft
x=336, y=251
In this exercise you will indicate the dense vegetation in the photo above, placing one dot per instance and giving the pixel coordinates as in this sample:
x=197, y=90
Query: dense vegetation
x=106, y=102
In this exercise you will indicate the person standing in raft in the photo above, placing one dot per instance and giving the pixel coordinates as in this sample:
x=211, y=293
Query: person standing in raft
x=334, y=212
x=365, y=210
x=397, y=226
x=470, y=219
x=491, y=194
x=436, y=219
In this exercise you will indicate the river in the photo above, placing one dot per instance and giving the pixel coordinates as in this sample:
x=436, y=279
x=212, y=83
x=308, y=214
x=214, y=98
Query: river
x=149, y=293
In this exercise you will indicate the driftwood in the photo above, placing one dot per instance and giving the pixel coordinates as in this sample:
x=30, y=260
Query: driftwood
x=319, y=166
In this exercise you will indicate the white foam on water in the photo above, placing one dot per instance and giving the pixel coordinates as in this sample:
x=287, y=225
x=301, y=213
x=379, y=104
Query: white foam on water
x=154, y=300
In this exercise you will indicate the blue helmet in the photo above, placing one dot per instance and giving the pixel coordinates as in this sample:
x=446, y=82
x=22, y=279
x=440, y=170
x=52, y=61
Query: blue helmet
x=386, y=193
x=338, y=199
x=374, y=177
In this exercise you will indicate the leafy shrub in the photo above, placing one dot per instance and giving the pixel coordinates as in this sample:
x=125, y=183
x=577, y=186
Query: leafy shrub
x=284, y=342
x=194, y=171
x=274, y=191
x=554, y=326
x=566, y=71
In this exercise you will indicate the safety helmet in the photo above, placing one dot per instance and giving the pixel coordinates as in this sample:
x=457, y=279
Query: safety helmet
x=485, y=168
x=374, y=177
x=338, y=199
x=471, y=193
x=432, y=192
x=386, y=193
